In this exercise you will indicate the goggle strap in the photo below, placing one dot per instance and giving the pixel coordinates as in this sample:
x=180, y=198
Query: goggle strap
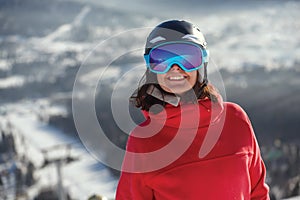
x=205, y=55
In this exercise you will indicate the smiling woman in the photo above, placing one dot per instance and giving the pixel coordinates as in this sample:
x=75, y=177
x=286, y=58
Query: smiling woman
x=200, y=144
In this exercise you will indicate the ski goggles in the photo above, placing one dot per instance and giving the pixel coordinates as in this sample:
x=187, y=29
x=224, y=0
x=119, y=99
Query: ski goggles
x=189, y=56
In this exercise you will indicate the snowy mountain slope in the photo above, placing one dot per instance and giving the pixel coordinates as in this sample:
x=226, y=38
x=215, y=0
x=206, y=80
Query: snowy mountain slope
x=34, y=137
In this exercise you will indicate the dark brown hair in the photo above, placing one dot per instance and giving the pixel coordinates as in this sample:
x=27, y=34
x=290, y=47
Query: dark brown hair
x=143, y=100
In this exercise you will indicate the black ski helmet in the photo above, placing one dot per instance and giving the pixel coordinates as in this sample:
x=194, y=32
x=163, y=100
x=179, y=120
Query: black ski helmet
x=177, y=30
x=174, y=30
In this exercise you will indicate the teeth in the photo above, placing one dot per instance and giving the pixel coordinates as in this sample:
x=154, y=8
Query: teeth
x=176, y=78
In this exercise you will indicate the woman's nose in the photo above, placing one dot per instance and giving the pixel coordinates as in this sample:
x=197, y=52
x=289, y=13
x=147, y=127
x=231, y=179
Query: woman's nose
x=175, y=67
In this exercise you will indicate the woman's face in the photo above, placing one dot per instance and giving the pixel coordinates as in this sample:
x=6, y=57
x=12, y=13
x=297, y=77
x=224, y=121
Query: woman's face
x=177, y=80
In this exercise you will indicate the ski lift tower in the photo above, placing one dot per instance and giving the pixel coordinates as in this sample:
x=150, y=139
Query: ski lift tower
x=58, y=162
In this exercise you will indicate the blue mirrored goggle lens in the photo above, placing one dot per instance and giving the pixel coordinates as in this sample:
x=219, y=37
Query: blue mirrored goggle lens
x=188, y=56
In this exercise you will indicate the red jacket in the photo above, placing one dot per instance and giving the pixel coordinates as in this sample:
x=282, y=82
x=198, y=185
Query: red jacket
x=216, y=159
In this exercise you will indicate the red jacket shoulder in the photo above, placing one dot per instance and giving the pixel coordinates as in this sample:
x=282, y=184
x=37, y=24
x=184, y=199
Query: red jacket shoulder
x=235, y=110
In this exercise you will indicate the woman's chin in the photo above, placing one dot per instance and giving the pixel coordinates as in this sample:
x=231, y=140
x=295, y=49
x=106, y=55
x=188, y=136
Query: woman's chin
x=179, y=89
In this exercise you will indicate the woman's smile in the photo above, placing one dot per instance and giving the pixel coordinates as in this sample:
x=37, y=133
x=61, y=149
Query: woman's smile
x=177, y=80
x=176, y=77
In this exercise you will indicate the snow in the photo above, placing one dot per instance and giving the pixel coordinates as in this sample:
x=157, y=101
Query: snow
x=293, y=198
x=82, y=178
x=91, y=78
x=263, y=33
x=5, y=65
x=265, y=36
x=12, y=81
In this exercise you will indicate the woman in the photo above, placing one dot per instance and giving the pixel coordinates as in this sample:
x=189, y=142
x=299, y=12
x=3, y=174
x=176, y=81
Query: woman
x=211, y=148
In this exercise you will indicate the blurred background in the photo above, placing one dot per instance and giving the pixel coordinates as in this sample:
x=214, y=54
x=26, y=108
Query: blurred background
x=255, y=45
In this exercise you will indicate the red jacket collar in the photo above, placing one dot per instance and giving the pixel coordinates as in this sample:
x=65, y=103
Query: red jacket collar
x=185, y=115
